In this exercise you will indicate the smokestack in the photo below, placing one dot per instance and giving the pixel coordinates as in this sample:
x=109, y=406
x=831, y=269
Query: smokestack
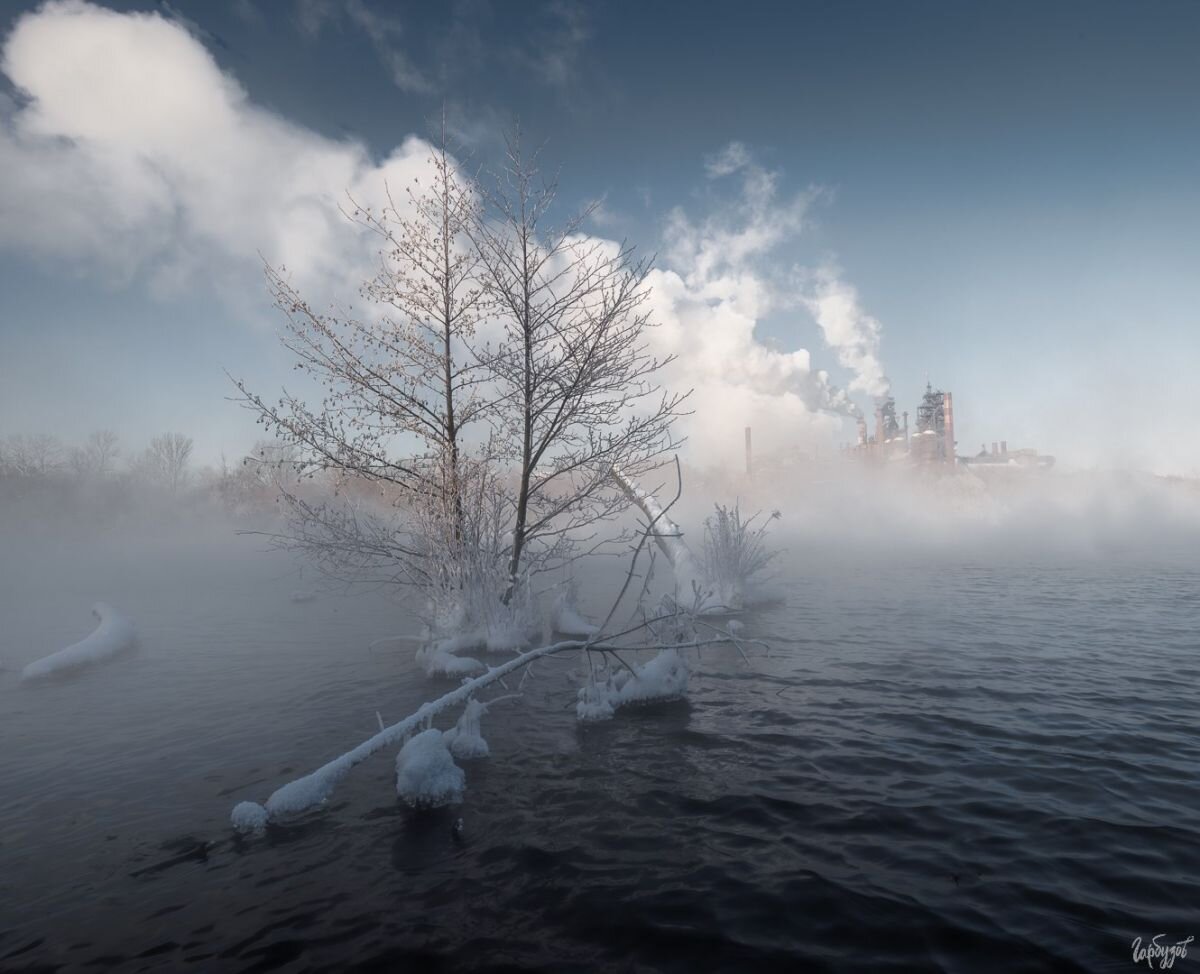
x=749, y=456
x=1004, y=448
x=862, y=430
x=879, y=425
x=949, y=417
x=906, y=427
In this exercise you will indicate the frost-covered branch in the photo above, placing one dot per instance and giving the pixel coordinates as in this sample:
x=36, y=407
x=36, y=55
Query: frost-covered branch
x=663, y=677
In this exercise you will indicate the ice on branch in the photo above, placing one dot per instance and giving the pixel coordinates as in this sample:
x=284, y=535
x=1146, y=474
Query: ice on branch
x=304, y=793
x=465, y=739
x=114, y=635
x=249, y=817
x=735, y=550
x=665, y=677
x=567, y=618
x=689, y=578
x=441, y=658
x=426, y=775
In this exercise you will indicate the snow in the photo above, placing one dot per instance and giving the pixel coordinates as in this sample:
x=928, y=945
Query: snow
x=314, y=788
x=464, y=738
x=570, y=623
x=691, y=586
x=665, y=677
x=112, y=636
x=438, y=661
x=426, y=775
x=249, y=817
x=504, y=637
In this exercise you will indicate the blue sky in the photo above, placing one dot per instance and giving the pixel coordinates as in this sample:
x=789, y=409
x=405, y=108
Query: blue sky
x=1007, y=192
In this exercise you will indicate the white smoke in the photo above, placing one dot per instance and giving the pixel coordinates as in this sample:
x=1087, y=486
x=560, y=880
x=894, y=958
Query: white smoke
x=848, y=329
x=720, y=280
x=132, y=154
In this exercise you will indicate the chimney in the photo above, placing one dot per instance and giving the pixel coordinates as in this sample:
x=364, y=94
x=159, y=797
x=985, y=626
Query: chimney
x=948, y=413
x=749, y=458
x=1004, y=448
x=906, y=427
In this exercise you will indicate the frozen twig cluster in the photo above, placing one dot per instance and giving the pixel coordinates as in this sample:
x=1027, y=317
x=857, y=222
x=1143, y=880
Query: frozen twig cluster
x=735, y=551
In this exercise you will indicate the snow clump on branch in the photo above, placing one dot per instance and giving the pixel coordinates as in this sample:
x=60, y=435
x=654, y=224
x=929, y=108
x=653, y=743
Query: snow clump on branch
x=665, y=677
x=426, y=775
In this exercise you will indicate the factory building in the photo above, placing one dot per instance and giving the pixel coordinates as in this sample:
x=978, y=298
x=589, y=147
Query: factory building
x=932, y=442
x=1000, y=457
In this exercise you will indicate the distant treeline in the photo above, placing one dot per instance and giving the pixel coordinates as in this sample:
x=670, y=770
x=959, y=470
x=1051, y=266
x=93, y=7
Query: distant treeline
x=99, y=478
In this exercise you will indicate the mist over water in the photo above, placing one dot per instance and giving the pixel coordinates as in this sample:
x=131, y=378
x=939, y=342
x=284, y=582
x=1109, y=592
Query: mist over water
x=970, y=746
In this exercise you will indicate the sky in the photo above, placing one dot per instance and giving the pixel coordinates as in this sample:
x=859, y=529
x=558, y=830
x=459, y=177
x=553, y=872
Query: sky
x=845, y=199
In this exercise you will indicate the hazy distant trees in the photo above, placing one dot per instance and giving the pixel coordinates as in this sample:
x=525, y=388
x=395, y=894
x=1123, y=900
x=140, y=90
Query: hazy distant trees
x=166, y=460
x=34, y=456
x=271, y=463
x=96, y=480
x=97, y=458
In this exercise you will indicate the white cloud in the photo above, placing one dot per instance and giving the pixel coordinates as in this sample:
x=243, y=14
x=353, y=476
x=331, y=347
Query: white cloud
x=132, y=153
x=729, y=160
x=381, y=30
x=731, y=237
x=384, y=33
x=555, y=50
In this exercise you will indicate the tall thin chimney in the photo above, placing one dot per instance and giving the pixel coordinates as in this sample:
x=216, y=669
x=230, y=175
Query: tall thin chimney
x=749, y=457
x=948, y=413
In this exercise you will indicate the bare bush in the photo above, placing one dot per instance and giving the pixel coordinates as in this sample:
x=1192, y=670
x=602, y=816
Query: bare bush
x=735, y=550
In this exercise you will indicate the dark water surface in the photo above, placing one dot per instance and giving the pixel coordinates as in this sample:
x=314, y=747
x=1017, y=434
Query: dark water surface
x=952, y=765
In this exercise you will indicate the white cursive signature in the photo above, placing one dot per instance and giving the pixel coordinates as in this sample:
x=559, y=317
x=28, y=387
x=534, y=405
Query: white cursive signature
x=1165, y=954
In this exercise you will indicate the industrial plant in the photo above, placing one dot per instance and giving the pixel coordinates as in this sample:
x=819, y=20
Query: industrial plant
x=932, y=442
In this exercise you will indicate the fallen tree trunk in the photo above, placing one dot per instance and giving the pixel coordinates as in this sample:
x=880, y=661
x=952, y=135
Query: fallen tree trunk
x=691, y=585
x=113, y=636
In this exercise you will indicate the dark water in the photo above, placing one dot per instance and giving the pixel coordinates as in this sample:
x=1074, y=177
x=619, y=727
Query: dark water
x=948, y=765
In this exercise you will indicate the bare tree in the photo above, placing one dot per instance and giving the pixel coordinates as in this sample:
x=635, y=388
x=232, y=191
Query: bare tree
x=580, y=383
x=404, y=377
x=167, y=459
x=37, y=456
x=272, y=463
x=97, y=457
